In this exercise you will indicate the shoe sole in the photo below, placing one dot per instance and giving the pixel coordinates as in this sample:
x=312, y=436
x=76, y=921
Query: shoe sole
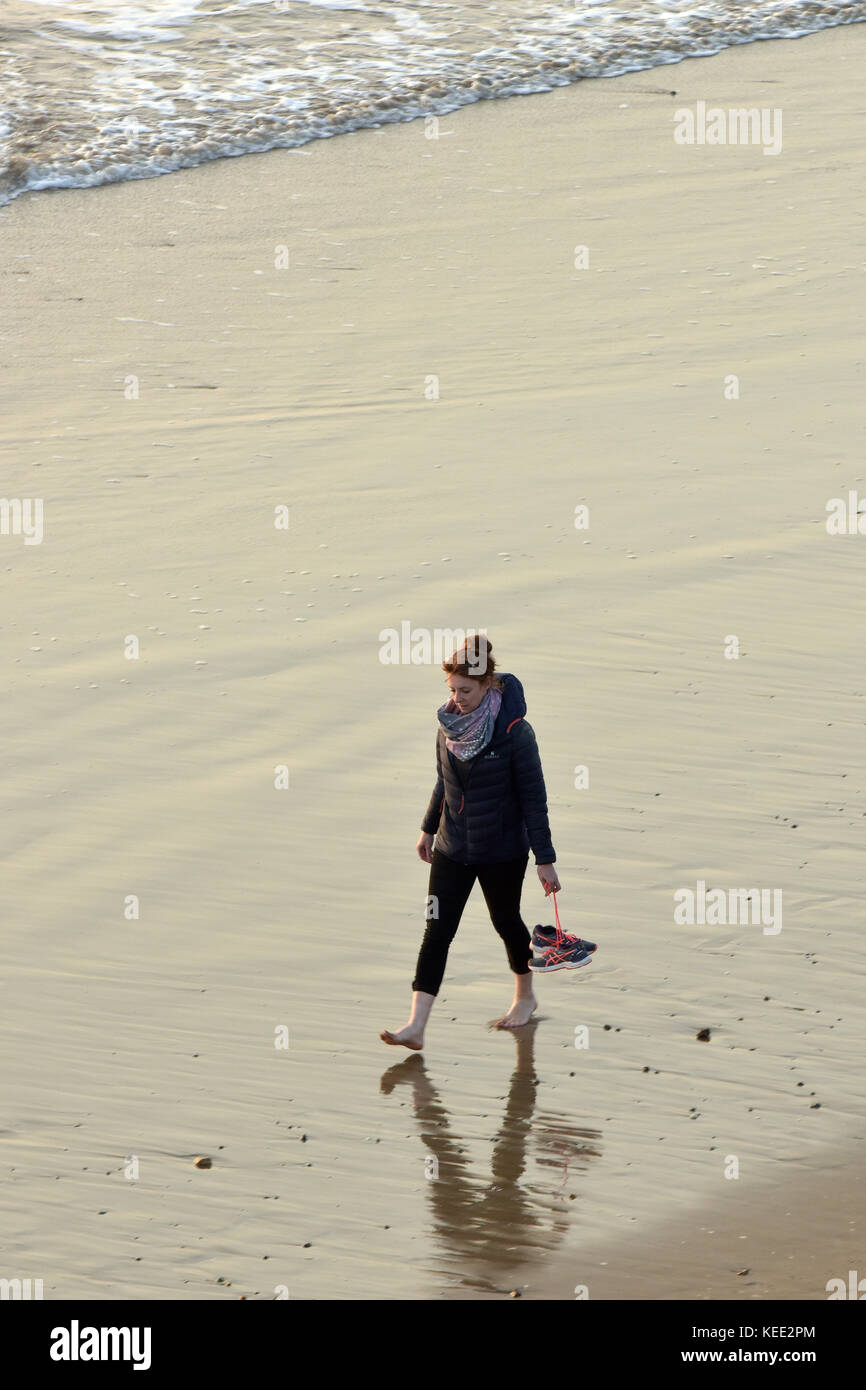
x=560, y=965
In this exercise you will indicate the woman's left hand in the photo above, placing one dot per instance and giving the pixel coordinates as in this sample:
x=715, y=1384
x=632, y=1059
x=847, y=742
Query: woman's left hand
x=550, y=882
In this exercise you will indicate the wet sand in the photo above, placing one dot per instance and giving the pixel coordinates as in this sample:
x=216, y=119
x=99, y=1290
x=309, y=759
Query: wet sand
x=170, y=387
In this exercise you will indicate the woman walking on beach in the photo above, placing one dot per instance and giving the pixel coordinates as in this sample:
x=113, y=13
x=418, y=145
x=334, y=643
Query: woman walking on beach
x=488, y=809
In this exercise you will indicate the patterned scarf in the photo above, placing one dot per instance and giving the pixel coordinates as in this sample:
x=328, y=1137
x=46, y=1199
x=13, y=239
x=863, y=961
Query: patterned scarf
x=467, y=734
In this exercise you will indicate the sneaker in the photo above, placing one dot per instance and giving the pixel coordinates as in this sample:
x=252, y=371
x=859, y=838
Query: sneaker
x=542, y=937
x=568, y=955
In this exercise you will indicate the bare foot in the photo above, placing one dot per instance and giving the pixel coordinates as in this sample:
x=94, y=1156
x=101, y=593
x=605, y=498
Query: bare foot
x=520, y=1012
x=407, y=1037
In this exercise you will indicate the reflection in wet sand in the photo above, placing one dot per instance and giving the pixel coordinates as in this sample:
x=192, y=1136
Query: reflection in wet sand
x=492, y=1229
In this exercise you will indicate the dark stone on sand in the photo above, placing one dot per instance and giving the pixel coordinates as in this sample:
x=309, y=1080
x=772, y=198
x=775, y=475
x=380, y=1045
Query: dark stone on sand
x=703, y=1035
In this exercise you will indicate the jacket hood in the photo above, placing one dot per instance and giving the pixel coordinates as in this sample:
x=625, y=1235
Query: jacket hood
x=513, y=701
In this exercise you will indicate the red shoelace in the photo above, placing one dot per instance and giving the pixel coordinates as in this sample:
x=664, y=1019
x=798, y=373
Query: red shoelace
x=560, y=934
x=565, y=942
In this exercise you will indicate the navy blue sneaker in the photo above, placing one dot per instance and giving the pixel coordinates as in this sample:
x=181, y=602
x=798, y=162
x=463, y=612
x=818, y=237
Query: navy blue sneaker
x=542, y=937
x=568, y=954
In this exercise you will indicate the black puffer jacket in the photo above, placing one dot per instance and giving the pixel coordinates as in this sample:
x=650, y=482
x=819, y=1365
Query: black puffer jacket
x=502, y=813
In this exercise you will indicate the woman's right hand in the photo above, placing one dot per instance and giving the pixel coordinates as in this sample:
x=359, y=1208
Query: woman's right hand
x=425, y=847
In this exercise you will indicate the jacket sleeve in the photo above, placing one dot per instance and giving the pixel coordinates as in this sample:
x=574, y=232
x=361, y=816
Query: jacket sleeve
x=430, y=823
x=531, y=793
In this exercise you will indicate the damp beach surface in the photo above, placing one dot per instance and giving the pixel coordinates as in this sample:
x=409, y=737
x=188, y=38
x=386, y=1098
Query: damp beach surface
x=215, y=786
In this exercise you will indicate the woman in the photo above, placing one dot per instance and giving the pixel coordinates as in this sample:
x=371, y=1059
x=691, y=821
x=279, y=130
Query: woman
x=488, y=808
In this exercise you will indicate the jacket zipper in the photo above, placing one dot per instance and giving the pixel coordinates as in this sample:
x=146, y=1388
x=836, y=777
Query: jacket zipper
x=468, y=780
x=472, y=769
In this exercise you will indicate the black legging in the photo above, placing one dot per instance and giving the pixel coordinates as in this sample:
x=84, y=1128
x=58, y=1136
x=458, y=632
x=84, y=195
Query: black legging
x=450, y=885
